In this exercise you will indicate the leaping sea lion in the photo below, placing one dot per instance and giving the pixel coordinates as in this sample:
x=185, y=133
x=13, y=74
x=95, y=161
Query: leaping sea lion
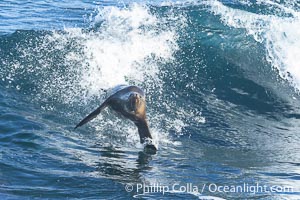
x=130, y=102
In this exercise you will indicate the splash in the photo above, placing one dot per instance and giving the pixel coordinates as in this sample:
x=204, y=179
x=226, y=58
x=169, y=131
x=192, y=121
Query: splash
x=123, y=46
x=122, y=49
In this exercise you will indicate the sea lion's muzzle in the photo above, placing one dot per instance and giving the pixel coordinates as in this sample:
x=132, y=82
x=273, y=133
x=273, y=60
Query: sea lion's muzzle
x=134, y=101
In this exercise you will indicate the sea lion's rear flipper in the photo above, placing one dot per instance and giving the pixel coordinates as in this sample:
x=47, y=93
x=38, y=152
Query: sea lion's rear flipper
x=93, y=114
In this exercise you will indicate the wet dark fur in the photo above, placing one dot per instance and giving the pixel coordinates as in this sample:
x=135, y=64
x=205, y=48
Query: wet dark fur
x=132, y=107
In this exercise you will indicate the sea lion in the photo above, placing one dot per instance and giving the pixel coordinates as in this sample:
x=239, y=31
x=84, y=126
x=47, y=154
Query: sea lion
x=130, y=102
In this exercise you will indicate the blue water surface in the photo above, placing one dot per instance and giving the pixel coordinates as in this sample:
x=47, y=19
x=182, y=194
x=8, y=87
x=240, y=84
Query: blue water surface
x=222, y=104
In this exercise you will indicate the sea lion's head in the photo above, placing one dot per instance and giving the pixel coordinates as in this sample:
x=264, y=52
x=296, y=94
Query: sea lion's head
x=136, y=103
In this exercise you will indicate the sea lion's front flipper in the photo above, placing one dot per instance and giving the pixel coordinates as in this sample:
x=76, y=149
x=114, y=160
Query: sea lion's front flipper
x=145, y=134
x=143, y=129
x=93, y=114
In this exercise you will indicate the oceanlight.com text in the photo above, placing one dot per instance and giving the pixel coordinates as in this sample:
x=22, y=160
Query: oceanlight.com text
x=143, y=188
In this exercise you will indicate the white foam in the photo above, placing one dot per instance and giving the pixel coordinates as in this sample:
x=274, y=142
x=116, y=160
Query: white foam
x=126, y=46
x=118, y=51
x=280, y=35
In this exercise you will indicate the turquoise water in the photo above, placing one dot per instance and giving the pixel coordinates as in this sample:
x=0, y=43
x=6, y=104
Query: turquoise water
x=222, y=86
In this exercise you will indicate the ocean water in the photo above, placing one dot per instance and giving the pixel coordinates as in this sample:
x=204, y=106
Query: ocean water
x=222, y=80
